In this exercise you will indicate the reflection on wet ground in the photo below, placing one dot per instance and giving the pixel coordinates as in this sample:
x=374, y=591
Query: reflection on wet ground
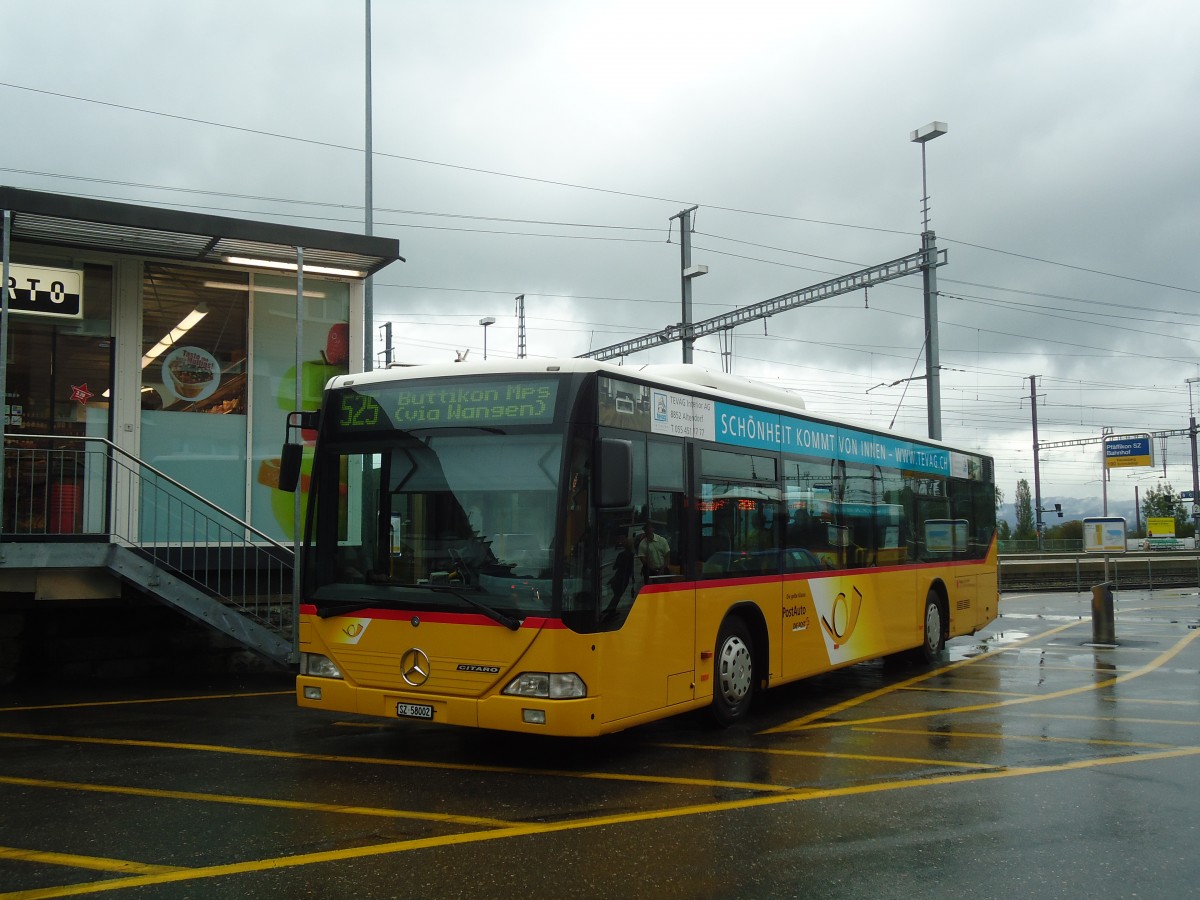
x=877, y=780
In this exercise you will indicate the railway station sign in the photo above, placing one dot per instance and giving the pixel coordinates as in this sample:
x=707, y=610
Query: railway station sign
x=1128, y=450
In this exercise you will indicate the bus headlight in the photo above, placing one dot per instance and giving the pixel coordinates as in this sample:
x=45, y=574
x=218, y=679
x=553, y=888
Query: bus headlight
x=318, y=666
x=547, y=685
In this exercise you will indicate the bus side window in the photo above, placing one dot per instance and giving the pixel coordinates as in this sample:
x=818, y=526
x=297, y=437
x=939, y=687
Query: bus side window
x=666, y=512
x=667, y=479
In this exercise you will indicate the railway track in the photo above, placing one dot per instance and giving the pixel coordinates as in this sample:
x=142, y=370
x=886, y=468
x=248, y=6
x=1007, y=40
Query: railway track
x=1079, y=571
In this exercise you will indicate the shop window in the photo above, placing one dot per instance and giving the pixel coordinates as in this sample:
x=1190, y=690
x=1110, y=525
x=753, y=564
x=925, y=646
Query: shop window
x=194, y=340
x=59, y=369
x=194, y=326
x=325, y=353
x=59, y=380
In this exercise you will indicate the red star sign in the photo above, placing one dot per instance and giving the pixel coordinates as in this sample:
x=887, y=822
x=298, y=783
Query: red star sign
x=81, y=393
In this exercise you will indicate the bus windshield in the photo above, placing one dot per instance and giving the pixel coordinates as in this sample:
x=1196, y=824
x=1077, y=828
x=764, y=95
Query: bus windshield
x=440, y=517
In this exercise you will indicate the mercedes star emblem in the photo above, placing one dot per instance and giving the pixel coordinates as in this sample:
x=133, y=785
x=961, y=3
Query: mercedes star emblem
x=414, y=667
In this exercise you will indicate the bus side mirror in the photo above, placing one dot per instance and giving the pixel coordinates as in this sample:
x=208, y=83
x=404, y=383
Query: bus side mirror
x=293, y=451
x=615, y=476
x=289, y=467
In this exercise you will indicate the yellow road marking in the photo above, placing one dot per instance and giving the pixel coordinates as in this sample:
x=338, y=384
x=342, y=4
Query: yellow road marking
x=1006, y=736
x=400, y=763
x=254, y=801
x=98, y=703
x=935, y=690
x=1131, y=719
x=1036, y=660
x=803, y=721
x=162, y=875
x=98, y=863
x=538, y=828
x=862, y=757
x=1157, y=663
x=1148, y=700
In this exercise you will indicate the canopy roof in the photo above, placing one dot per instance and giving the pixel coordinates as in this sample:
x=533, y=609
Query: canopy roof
x=65, y=221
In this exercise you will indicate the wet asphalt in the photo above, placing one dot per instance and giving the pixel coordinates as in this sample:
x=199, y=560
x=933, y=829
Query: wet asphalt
x=1028, y=763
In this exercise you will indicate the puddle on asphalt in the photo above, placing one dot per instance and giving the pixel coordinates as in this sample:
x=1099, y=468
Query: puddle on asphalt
x=986, y=644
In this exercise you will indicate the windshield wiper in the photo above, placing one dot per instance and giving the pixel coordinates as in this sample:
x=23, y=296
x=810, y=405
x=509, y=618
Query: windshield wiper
x=494, y=614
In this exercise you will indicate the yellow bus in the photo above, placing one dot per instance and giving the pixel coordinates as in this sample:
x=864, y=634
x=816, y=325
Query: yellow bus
x=475, y=547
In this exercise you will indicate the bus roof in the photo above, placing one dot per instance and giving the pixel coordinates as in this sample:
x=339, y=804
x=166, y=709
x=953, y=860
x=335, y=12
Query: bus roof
x=682, y=377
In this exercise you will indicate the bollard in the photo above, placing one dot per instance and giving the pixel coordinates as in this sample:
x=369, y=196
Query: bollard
x=1103, y=631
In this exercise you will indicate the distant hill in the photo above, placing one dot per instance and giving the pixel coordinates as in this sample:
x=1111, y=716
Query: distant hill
x=1074, y=508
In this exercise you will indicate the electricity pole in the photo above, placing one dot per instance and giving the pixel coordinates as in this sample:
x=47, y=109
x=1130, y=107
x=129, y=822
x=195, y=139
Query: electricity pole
x=1037, y=475
x=520, y=326
x=686, y=273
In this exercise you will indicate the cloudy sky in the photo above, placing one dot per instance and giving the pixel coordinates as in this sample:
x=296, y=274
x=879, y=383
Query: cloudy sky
x=542, y=147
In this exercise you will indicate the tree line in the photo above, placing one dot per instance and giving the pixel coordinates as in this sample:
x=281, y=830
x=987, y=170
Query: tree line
x=1156, y=502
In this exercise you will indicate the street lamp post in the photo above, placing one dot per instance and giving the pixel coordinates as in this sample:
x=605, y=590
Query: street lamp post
x=1195, y=468
x=485, y=322
x=933, y=388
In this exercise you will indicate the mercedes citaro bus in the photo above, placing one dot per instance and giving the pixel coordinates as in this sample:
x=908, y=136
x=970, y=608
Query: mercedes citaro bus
x=473, y=548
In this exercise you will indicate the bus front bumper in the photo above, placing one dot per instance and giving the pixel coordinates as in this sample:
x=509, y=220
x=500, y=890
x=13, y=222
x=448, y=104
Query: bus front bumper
x=567, y=718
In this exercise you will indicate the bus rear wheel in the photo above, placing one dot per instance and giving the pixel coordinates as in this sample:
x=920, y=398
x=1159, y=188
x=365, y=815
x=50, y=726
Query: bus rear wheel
x=934, y=641
x=733, y=673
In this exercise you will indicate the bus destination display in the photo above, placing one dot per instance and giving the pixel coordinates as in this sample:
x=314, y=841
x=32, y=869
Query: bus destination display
x=420, y=405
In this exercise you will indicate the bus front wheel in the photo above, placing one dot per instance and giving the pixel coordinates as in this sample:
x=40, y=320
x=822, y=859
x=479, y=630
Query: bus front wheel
x=733, y=673
x=934, y=641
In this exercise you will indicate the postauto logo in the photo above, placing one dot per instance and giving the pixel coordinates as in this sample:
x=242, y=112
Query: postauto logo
x=842, y=617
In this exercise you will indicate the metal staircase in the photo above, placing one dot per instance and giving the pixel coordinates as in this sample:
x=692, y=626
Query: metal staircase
x=86, y=505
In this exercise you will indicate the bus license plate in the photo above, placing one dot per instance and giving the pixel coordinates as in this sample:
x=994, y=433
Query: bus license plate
x=414, y=711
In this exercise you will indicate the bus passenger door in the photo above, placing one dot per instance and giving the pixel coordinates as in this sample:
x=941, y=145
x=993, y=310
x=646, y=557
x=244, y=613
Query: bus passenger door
x=648, y=659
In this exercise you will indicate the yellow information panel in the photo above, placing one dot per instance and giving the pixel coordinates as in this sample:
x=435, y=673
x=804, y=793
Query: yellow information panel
x=1160, y=527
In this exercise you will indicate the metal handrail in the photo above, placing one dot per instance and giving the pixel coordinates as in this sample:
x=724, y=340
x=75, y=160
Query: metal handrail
x=178, y=486
x=79, y=492
x=1079, y=570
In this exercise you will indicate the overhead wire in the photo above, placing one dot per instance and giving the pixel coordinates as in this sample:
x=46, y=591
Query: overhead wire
x=560, y=183
x=985, y=301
